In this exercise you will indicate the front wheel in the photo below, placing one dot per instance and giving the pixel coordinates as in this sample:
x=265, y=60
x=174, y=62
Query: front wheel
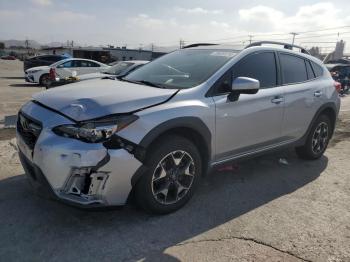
x=174, y=169
x=317, y=140
x=45, y=80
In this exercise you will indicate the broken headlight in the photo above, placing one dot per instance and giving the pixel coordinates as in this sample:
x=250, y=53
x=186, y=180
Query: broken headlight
x=95, y=131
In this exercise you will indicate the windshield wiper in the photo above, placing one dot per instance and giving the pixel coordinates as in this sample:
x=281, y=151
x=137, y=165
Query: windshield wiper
x=143, y=82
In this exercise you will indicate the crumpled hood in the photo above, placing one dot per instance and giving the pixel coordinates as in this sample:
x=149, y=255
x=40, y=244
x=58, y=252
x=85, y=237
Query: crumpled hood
x=100, y=97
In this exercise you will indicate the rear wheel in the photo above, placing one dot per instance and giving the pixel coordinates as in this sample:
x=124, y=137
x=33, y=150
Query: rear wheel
x=317, y=140
x=174, y=169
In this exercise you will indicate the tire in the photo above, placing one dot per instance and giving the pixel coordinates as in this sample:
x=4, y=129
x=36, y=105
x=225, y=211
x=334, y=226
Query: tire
x=174, y=168
x=317, y=139
x=44, y=80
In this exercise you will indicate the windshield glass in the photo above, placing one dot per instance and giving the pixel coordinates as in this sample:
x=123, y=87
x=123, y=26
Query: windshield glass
x=183, y=68
x=118, y=68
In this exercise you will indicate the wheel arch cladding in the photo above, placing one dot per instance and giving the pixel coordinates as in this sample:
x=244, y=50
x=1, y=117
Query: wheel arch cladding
x=328, y=109
x=191, y=128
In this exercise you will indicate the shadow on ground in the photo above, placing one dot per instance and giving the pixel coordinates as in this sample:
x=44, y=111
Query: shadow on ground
x=43, y=229
x=25, y=85
x=12, y=77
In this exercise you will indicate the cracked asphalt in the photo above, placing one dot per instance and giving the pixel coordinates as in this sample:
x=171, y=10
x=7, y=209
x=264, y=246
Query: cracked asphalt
x=261, y=211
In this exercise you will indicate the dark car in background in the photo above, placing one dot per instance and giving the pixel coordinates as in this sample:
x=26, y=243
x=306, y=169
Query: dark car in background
x=341, y=74
x=8, y=57
x=42, y=60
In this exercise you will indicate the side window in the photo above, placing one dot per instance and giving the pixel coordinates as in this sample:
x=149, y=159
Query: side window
x=84, y=63
x=67, y=64
x=92, y=64
x=317, y=69
x=293, y=69
x=261, y=66
x=310, y=71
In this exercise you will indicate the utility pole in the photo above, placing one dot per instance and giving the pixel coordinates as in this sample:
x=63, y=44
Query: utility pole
x=294, y=34
x=250, y=38
x=152, y=49
x=27, y=45
x=182, y=43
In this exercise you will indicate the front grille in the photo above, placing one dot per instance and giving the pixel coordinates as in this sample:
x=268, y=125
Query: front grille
x=29, y=129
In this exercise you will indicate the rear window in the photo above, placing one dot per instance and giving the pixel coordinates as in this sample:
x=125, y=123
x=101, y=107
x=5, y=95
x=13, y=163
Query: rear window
x=293, y=69
x=317, y=69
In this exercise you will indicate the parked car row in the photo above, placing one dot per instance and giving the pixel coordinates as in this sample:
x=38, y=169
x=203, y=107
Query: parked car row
x=63, y=69
x=58, y=70
x=155, y=132
x=120, y=69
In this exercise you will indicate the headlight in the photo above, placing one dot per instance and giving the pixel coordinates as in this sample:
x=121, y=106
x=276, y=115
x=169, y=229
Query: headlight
x=95, y=131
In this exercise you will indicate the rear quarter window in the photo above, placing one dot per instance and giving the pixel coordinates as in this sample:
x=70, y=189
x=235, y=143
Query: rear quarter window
x=317, y=69
x=310, y=71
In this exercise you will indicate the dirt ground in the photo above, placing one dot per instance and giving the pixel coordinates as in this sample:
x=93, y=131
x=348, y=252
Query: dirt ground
x=262, y=211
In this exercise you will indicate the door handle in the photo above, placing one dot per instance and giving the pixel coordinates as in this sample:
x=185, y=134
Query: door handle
x=277, y=99
x=318, y=93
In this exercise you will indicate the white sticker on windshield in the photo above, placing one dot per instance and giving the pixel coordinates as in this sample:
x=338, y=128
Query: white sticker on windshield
x=221, y=53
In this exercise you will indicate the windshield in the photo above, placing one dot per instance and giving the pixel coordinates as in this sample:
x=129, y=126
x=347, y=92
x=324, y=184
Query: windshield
x=118, y=68
x=183, y=68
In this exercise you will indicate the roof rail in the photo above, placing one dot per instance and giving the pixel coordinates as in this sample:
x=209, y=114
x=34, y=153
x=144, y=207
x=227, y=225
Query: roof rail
x=198, y=44
x=285, y=45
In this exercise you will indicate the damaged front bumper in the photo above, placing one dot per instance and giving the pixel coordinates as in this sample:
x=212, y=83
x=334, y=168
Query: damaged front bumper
x=88, y=175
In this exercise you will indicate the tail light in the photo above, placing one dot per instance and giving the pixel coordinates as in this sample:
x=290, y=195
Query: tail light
x=337, y=86
x=52, y=74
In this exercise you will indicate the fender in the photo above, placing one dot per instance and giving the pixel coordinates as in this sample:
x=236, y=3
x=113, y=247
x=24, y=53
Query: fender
x=329, y=105
x=185, y=122
x=193, y=123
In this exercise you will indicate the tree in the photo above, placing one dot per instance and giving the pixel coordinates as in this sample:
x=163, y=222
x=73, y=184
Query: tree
x=2, y=45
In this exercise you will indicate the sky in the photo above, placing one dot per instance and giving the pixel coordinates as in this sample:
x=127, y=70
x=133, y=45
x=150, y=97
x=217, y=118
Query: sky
x=164, y=22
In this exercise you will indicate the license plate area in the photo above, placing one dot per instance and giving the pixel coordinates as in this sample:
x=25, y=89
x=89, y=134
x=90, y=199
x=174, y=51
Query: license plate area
x=24, y=148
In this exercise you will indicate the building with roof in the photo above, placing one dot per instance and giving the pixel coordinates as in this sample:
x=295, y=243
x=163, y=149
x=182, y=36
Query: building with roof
x=103, y=54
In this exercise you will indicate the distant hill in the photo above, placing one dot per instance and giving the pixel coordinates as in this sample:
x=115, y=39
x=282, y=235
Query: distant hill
x=32, y=43
x=36, y=45
x=12, y=42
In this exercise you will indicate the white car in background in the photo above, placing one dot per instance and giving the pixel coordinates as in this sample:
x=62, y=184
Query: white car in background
x=63, y=69
x=120, y=69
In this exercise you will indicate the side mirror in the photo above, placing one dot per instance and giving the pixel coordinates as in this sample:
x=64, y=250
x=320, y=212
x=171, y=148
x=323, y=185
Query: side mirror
x=243, y=85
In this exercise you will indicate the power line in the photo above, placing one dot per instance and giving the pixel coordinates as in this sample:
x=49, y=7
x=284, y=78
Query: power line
x=326, y=29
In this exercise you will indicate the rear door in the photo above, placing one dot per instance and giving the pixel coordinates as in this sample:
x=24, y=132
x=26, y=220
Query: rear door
x=253, y=121
x=303, y=93
x=89, y=67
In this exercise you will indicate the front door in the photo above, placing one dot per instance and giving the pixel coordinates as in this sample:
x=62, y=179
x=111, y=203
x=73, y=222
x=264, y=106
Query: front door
x=253, y=122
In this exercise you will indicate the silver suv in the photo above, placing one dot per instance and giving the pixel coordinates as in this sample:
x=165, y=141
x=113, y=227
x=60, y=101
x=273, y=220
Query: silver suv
x=155, y=132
